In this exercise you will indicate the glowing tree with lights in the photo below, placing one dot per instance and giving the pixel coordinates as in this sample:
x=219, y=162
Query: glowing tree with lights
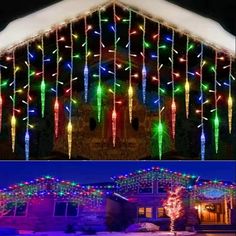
x=174, y=206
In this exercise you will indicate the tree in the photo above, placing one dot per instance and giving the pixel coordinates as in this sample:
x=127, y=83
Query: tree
x=173, y=205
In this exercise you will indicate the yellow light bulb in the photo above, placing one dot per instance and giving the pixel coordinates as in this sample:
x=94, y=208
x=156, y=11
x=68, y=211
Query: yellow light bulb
x=69, y=135
x=13, y=132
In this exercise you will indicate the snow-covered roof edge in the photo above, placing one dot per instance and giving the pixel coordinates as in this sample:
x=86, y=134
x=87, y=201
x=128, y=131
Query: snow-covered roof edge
x=186, y=22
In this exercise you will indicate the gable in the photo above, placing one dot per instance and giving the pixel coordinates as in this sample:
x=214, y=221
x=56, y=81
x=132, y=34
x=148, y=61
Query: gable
x=45, y=20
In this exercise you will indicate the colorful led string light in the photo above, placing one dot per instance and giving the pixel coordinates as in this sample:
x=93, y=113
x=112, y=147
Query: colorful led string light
x=216, y=98
x=86, y=72
x=99, y=88
x=160, y=125
x=187, y=85
x=144, y=70
x=69, y=126
x=56, y=104
x=230, y=99
x=114, y=114
x=13, y=98
x=27, y=136
x=42, y=85
x=202, y=138
x=130, y=89
x=173, y=104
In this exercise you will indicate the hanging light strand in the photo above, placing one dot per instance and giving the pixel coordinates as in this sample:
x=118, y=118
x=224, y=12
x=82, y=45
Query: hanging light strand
x=43, y=86
x=216, y=119
x=230, y=100
x=99, y=88
x=160, y=125
x=86, y=61
x=69, y=127
x=130, y=89
x=187, y=85
x=56, y=104
x=27, y=136
x=173, y=104
x=144, y=70
x=202, y=138
x=114, y=114
x=13, y=118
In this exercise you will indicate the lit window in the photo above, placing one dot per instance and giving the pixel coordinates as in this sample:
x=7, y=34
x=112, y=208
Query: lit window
x=141, y=212
x=148, y=212
x=145, y=212
x=161, y=212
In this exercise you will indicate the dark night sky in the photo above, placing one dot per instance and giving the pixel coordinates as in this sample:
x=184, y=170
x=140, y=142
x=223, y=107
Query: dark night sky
x=221, y=11
x=98, y=171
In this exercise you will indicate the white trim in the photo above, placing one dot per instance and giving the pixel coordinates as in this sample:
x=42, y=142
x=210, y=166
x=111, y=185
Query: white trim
x=173, y=16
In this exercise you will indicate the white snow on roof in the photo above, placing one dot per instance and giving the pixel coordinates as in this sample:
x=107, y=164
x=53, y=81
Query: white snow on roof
x=44, y=20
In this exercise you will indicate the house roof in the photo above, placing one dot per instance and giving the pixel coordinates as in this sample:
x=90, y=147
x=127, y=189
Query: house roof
x=185, y=21
x=49, y=186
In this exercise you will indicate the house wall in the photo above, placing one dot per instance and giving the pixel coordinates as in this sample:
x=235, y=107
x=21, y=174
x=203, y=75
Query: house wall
x=97, y=144
x=119, y=214
x=40, y=217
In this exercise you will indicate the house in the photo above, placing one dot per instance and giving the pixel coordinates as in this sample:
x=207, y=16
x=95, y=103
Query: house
x=50, y=204
x=71, y=108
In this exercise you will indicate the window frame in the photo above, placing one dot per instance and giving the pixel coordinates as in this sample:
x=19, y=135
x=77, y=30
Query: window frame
x=15, y=208
x=66, y=210
x=146, y=193
x=145, y=212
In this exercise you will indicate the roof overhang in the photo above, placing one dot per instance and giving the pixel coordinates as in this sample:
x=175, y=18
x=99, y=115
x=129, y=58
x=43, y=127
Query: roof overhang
x=44, y=21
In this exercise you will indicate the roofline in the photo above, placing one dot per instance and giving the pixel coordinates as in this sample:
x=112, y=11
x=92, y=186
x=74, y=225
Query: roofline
x=125, y=4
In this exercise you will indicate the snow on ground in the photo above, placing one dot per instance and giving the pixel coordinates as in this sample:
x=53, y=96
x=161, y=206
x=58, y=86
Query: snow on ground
x=179, y=233
x=46, y=19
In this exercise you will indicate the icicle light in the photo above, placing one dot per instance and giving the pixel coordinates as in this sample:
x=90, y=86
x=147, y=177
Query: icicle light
x=202, y=138
x=69, y=126
x=13, y=118
x=187, y=85
x=160, y=125
x=144, y=70
x=42, y=86
x=216, y=98
x=130, y=89
x=99, y=88
x=114, y=114
x=173, y=104
x=27, y=136
x=56, y=103
x=86, y=72
x=230, y=100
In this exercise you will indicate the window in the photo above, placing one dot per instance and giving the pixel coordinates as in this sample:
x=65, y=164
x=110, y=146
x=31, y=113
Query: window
x=15, y=209
x=145, y=187
x=66, y=209
x=145, y=212
x=21, y=209
x=161, y=212
x=162, y=188
x=72, y=209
